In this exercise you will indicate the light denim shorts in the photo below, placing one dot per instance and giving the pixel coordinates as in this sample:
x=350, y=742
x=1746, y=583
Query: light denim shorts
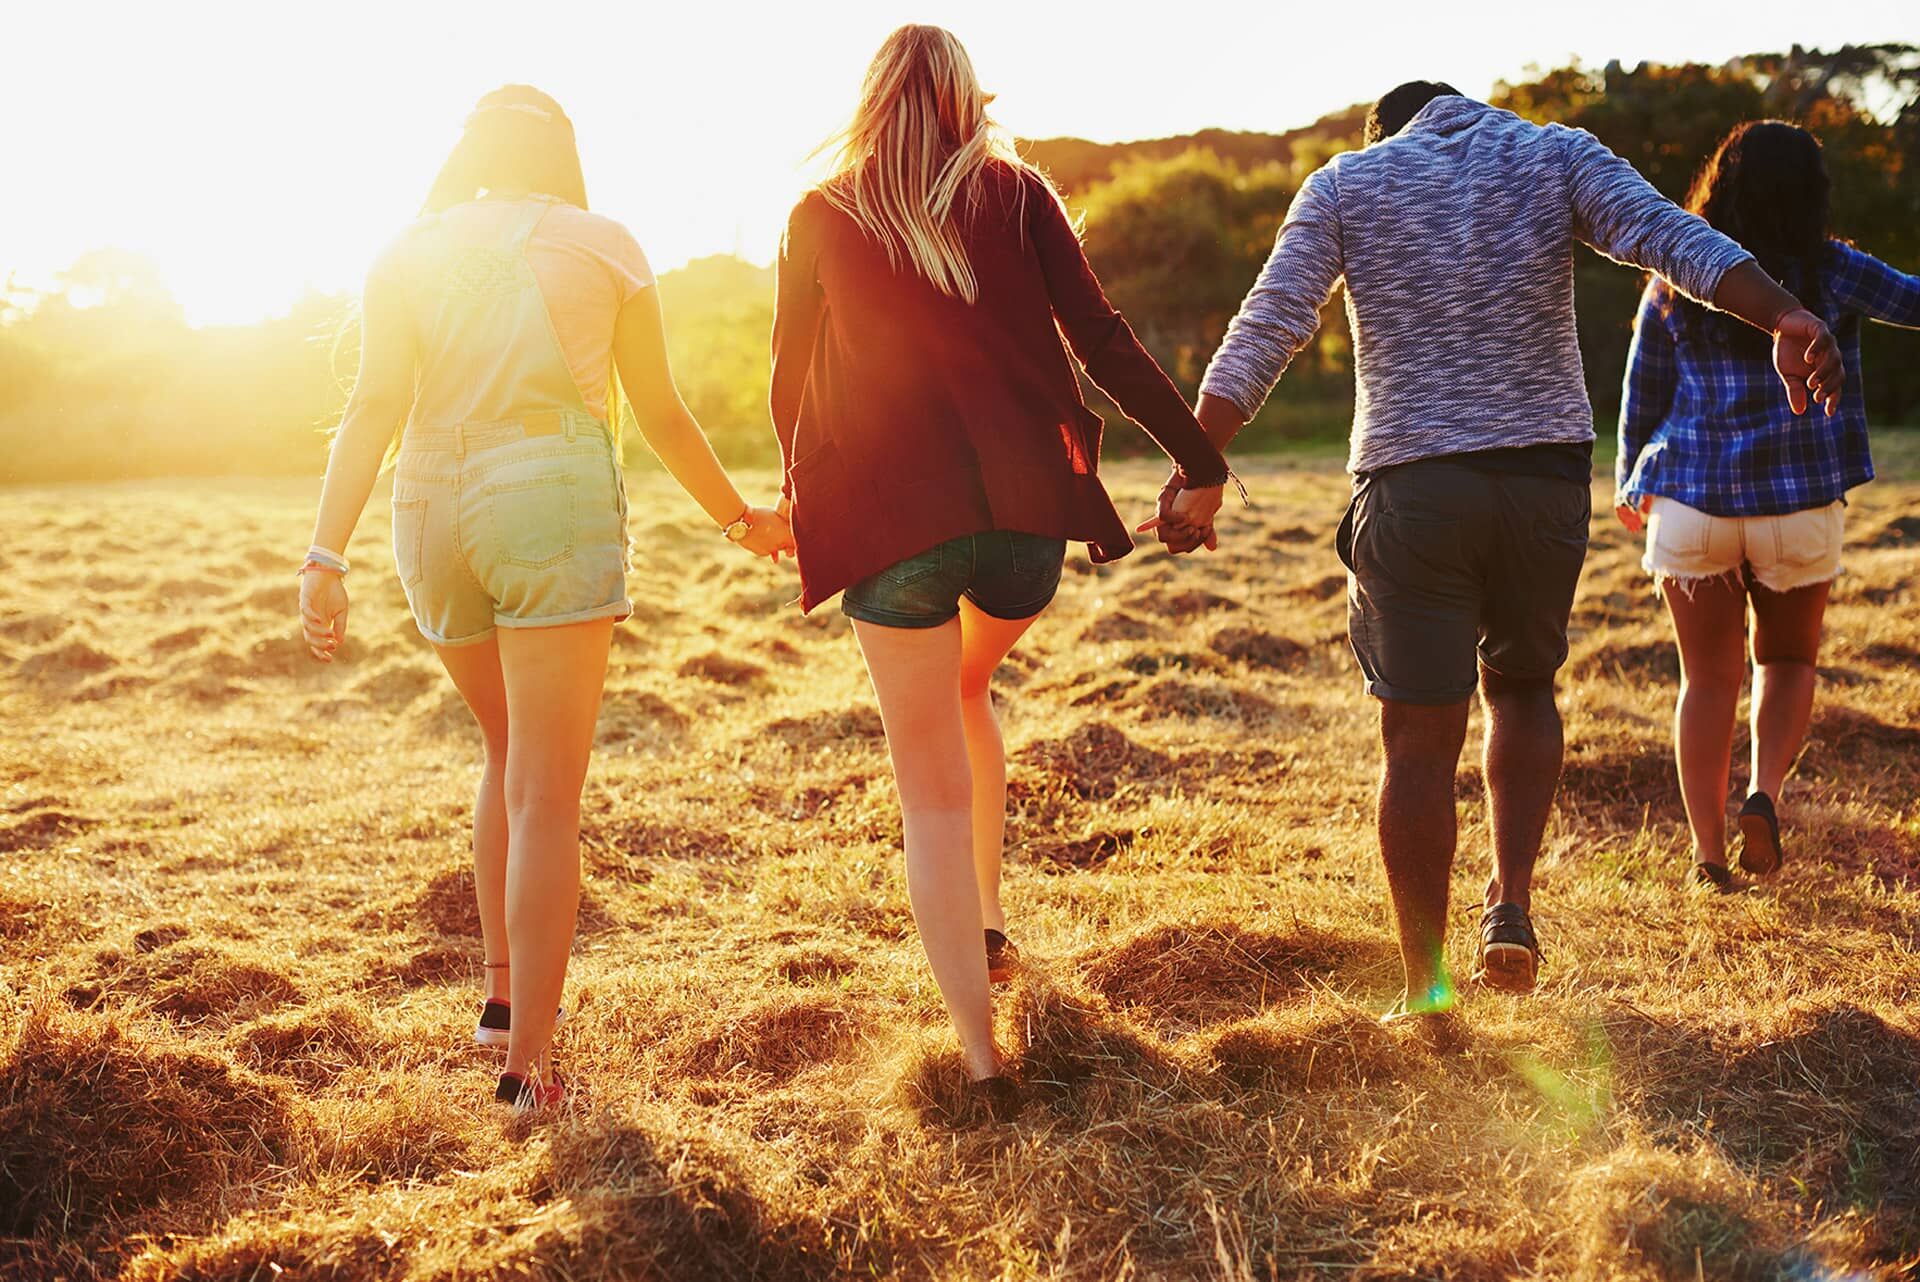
x=1782, y=553
x=496, y=528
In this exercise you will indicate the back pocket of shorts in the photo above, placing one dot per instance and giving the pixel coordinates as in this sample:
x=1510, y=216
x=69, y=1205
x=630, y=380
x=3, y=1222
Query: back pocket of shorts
x=409, y=540
x=1811, y=537
x=533, y=520
x=1679, y=531
x=911, y=570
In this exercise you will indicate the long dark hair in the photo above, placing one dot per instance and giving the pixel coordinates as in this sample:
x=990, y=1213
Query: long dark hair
x=516, y=139
x=1766, y=186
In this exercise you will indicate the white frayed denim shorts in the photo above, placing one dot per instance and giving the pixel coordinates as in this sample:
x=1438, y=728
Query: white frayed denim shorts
x=1782, y=553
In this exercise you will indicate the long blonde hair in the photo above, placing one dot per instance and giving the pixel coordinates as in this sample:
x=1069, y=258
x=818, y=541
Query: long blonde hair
x=907, y=167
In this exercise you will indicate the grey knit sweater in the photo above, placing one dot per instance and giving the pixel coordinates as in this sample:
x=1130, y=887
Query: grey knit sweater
x=1455, y=238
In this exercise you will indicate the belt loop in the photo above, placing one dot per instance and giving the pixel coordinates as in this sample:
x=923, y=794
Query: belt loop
x=572, y=426
x=459, y=442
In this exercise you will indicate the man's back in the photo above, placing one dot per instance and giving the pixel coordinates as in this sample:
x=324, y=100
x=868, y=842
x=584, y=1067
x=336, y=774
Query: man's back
x=1455, y=239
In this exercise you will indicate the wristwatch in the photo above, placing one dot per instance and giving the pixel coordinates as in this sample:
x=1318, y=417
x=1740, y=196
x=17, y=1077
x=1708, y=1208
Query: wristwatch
x=737, y=529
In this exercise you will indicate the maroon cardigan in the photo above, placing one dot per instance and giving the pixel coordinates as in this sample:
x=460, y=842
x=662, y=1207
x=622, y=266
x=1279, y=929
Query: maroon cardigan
x=907, y=417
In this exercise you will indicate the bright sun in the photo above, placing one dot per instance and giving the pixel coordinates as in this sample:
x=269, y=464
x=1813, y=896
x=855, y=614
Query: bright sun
x=256, y=151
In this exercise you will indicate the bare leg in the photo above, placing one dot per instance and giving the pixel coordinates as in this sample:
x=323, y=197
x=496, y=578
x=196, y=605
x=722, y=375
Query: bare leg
x=1521, y=762
x=475, y=670
x=554, y=677
x=984, y=642
x=1710, y=625
x=1786, y=645
x=916, y=676
x=1418, y=831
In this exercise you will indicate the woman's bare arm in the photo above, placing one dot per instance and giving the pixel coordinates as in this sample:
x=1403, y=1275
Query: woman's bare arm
x=640, y=352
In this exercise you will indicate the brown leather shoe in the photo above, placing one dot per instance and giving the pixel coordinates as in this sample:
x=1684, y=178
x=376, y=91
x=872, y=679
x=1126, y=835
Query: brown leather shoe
x=1760, y=852
x=1002, y=958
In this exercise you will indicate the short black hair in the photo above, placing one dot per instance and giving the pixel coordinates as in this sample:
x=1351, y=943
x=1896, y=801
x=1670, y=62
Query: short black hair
x=1399, y=105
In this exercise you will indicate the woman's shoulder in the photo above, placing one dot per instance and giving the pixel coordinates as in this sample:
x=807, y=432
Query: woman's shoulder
x=391, y=260
x=587, y=225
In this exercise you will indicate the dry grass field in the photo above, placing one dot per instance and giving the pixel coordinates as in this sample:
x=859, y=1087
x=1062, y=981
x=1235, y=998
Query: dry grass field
x=240, y=957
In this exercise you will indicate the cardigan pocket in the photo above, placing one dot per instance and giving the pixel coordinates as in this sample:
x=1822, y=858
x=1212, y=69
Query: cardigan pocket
x=1082, y=440
x=829, y=507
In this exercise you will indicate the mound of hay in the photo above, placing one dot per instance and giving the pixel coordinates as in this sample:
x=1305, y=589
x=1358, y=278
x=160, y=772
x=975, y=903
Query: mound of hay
x=314, y=1044
x=1094, y=760
x=1084, y=1060
x=1188, y=971
x=1258, y=649
x=98, y=1121
x=776, y=1041
x=393, y=1130
x=1117, y=626
x=1646, y=1214
x=190, y=982
x=1305, y=1049
x=674, y=1206
x=256, y=1249
x=723, y=669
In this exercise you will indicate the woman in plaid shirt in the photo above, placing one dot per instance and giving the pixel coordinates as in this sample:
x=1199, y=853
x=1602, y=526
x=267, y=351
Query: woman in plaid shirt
x=1742, y=498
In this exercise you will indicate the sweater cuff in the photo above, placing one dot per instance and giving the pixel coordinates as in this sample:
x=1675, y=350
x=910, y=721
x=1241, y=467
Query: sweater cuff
x=1713, y=271
x=1244, y=397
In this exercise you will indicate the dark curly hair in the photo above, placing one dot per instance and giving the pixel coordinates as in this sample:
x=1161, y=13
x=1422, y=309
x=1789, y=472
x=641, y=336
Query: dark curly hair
x=1766, y=186
x=516, y=139
x=1401, y=104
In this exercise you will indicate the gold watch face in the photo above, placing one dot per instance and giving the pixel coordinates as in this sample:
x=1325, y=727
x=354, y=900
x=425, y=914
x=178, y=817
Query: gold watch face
x=737, y=531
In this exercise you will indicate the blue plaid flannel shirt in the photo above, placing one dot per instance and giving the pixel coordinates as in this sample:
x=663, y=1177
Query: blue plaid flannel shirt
x=1711, y=428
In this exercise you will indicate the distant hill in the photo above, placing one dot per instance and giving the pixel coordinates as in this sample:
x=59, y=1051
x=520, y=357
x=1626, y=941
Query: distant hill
x=1076, y=164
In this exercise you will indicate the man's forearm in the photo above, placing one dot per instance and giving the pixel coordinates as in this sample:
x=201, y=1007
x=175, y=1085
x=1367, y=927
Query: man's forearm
x=1220, y=418
x=1746, y=291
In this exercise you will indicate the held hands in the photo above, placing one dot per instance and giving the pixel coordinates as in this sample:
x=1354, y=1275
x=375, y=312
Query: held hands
x=769, y=531
x=1632, y=516
x=1183, y=517
x=323, y=613
x=1808, y=361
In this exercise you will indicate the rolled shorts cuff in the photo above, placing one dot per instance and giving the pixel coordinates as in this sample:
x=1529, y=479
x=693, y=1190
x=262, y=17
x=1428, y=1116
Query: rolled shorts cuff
x=1016, y=613
x=1427, y=698
x=618, y=611
x=892, y=618
x=452, y=643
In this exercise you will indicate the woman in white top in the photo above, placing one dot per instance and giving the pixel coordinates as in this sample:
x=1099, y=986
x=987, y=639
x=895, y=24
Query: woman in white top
x=493, y=327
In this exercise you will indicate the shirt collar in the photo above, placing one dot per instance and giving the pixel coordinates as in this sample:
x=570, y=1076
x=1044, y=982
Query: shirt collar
x=1449, y=113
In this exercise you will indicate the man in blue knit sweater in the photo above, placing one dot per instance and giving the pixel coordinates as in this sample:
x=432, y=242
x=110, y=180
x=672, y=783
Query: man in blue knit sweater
x=1454, y=233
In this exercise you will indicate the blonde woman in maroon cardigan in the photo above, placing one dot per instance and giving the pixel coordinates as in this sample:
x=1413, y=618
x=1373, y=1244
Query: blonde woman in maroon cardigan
x=938, y=458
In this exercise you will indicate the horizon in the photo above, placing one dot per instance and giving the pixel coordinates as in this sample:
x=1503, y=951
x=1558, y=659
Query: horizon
x=326, y=177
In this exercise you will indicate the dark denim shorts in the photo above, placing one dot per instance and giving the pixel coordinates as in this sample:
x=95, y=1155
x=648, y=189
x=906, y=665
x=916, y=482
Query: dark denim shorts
x=1453, y=569
x=1007, y=574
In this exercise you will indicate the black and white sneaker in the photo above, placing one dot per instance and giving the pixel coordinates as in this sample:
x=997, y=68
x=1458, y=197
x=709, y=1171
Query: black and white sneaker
x=496, y=1022
x=525, y=1094
x=1509, y=953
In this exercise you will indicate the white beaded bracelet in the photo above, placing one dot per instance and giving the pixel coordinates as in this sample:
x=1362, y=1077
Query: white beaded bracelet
x=317, y=555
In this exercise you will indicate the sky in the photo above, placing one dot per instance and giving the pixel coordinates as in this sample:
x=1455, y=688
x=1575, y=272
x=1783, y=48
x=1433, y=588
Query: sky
x=255, y=151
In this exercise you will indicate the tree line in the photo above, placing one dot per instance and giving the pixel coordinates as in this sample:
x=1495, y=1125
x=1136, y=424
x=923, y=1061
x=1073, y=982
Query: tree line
x=102, y=376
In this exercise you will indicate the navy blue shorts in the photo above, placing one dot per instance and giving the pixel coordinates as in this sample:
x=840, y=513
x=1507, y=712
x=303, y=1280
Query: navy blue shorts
x=1007, y=574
